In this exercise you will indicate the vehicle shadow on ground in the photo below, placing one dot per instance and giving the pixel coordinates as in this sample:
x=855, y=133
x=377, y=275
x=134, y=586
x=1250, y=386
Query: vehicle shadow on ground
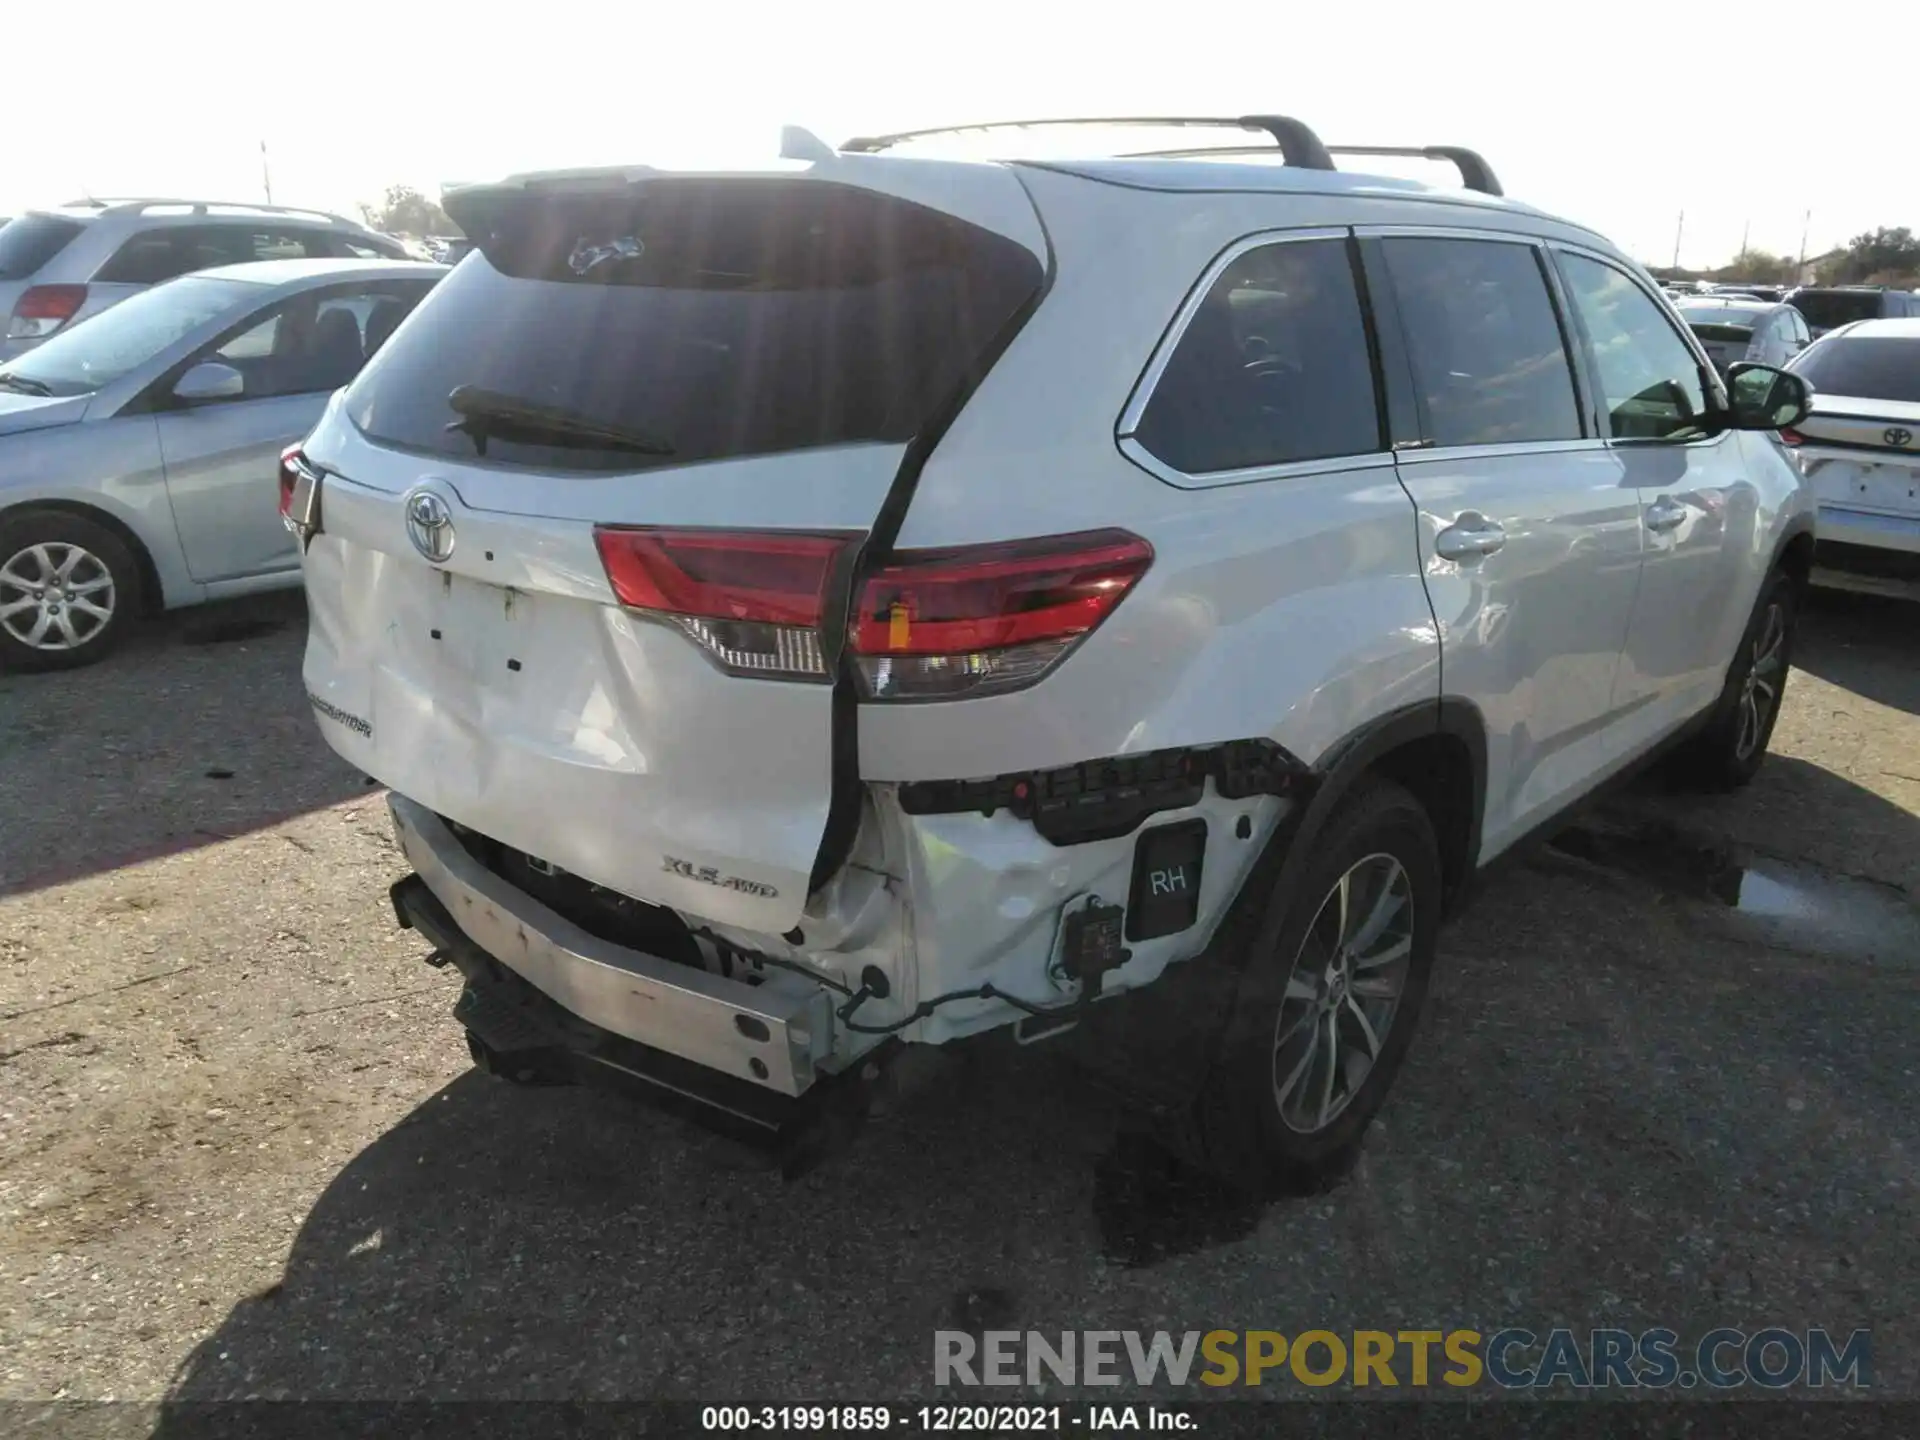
x=1868, y=644
x=570, y=1244
x=196, y=730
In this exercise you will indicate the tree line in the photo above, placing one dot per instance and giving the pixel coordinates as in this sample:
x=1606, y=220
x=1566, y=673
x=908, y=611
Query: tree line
x=1889, y=257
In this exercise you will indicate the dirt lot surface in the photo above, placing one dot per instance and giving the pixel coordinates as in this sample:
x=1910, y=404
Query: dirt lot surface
x=1667, y=1077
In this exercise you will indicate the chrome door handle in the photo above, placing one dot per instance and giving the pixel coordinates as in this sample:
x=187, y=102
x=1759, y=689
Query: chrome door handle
x=1665, y=514
x=1469, y=537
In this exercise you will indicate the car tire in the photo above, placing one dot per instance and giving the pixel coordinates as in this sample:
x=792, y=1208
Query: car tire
x=1727, y=754
x=1271, y=1116
x=58, y=572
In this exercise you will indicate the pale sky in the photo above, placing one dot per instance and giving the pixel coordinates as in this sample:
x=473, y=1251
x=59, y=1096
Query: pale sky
x=1619, y=115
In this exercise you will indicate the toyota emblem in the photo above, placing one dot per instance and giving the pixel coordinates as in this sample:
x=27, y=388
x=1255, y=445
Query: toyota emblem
x=1898, y=436
x=430, y=525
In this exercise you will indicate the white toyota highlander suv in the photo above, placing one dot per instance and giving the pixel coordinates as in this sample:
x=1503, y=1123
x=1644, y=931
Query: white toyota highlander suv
x=881, y=598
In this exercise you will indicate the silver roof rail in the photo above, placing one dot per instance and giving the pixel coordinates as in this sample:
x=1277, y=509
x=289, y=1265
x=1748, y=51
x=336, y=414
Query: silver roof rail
x=141, y=203
x=1475, y=173
x=1299, y=146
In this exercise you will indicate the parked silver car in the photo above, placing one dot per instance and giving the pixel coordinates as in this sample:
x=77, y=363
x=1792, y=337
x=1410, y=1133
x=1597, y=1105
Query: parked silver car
x=64, y=265
x=1731, y=329
x=138, y=451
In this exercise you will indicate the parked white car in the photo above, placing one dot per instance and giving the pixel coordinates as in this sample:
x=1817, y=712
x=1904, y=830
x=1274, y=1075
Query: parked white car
x=1860, y=449
x=886, y=598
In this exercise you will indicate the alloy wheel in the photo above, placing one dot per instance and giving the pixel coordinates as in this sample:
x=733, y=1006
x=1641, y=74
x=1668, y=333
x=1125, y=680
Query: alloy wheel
x=1760, y=692
x=1342, y=993
x=55, y=596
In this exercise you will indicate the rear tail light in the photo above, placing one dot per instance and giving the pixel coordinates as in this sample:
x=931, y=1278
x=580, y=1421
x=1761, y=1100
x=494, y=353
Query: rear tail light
x=753, y=601
x=984, y=619
x=299, y=494
x=290, y=460
x=1790, y=436
x=43, y=309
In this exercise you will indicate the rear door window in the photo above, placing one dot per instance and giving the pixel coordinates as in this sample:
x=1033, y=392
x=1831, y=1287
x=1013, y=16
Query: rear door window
x=30, y=241
x=1490, y=366
x=317, y=342
x=726, y=318
x=1649, y=378
x=1272, y=367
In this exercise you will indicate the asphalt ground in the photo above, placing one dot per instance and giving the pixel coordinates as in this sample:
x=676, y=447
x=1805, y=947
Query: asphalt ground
x=1666, y=1077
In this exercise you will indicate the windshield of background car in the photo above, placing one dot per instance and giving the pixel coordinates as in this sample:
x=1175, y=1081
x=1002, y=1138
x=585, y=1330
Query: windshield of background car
x=1830, y=309
x=99, y=351
x=729, y=318
x=30, y=241
x=1867, y=367
x=1721, y=314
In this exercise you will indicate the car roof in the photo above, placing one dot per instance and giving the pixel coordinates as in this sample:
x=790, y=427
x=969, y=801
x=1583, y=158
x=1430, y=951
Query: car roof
x=287, y=272
x=1898, y=328
x=1745, y=302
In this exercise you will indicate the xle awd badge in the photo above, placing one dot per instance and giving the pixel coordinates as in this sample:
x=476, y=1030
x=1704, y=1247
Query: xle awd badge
x=430, y=525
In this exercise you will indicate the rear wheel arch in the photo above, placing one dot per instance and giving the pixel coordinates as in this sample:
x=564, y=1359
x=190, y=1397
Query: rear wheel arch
x=152, y=596
x=1437, y=752
x=1795, y=555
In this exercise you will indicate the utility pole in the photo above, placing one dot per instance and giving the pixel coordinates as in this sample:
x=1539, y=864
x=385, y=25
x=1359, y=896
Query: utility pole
x=1746, y=228
x=266, y=175
x=1678, y=231
x=1805, y=224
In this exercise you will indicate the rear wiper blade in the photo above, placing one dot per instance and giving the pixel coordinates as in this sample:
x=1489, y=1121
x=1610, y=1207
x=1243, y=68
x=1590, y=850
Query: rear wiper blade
x=23, y=385
x=488, y=412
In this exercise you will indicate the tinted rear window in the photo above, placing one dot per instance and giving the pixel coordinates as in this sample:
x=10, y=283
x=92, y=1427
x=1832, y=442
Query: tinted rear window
x=1867, y=367
x=728, y=318
x=1830, y=309
x=30, y=241
x=1698, y=315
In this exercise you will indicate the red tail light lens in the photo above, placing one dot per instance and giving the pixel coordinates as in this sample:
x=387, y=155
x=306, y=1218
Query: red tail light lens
x=43, y=309
x=753, y=601
x=983, y=619
x=1790, y=436
x=290, y=461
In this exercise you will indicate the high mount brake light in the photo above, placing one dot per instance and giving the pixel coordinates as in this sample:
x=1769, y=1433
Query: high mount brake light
x=753, y=601
x=984, y=619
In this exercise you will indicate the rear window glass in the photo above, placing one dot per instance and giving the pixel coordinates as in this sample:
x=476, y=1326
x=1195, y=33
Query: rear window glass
x=1697, y=315
x=30, y=241
x=1866, y=367
x=727, y=319
x=1830, y=309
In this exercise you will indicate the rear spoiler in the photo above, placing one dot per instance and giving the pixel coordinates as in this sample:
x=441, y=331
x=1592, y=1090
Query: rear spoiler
x=982, y=194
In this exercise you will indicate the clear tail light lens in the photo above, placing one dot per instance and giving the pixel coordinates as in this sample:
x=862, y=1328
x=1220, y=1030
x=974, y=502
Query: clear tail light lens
x=43, y=309
x=984, y=619
x=753, y=601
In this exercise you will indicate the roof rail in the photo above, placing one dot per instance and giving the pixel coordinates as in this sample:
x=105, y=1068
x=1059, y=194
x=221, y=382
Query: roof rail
x=139, y=203
x=1299, y=146
x=1475, y=173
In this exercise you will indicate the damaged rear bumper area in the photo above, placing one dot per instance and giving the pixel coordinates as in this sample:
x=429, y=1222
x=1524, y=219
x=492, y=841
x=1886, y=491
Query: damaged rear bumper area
x=546, y=1000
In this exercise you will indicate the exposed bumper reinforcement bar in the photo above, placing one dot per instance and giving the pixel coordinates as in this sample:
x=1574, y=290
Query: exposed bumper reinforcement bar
x=768, y=1036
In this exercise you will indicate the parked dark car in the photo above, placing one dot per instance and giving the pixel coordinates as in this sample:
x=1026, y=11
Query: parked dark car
x=1827, y=307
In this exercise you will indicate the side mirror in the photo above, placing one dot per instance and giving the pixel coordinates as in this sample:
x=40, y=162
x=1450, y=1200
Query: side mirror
x=1760, y=397
x=210, y=380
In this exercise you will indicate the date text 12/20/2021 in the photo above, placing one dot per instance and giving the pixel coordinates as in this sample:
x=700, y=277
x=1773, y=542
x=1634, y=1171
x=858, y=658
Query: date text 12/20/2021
x=938, y=1419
